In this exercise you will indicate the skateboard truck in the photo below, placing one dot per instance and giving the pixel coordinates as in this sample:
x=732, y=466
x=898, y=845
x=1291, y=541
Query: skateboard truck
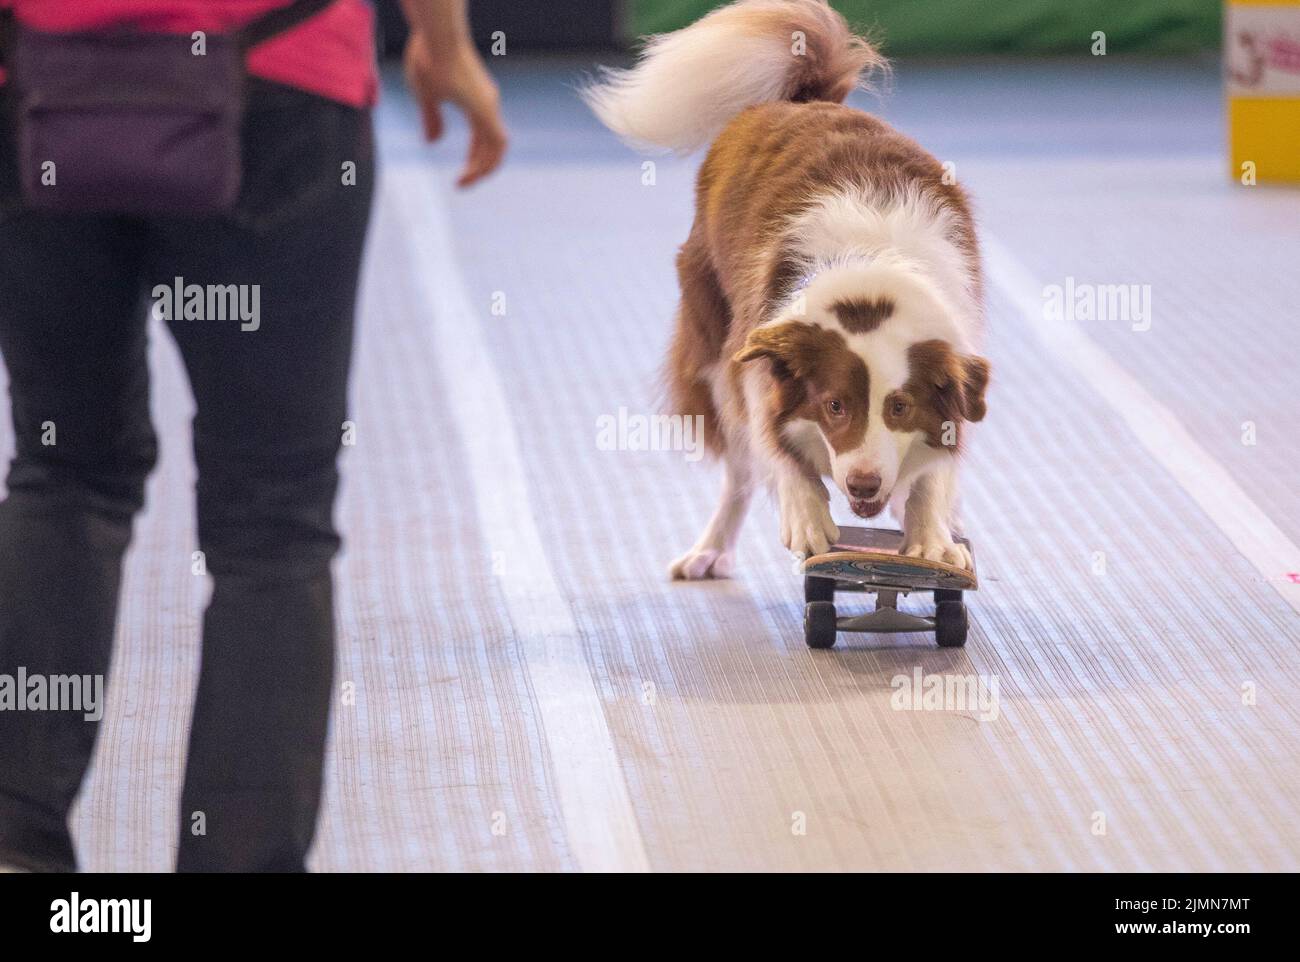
x=867, y=560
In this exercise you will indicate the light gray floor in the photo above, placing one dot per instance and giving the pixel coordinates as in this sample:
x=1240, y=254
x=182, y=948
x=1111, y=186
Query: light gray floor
x=530, y=693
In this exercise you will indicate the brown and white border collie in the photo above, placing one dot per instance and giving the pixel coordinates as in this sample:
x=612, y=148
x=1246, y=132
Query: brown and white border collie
x=830, y=287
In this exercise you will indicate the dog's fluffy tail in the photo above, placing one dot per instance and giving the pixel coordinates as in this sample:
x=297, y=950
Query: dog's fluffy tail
x=687, y=85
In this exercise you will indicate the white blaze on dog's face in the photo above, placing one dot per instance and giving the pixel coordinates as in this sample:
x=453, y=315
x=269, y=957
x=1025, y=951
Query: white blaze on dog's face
x=869, y=385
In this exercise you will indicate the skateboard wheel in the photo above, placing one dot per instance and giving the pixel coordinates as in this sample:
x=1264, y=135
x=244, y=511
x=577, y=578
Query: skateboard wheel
x=950, y=624
x=818, y=589
x=819, y=624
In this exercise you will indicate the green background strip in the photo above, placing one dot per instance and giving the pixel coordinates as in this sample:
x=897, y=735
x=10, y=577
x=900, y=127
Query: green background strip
x=954, y=27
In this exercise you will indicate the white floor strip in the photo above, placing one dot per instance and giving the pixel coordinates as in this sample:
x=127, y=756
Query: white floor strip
x=1204, y=479
x=598, y=817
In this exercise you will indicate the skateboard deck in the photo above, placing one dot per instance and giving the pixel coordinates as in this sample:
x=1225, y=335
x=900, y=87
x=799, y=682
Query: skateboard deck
x=869, y=558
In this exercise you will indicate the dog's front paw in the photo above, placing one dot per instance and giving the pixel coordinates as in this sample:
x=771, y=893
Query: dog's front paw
x=701, y=563
x=936, y=545
x=806, y=525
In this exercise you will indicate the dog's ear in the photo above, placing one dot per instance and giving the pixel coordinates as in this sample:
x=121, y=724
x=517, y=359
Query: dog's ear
x=974, y=382
x=790, y=346
x=958, y=380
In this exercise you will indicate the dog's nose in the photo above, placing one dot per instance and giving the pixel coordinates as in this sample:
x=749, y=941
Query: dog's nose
x=864, y=485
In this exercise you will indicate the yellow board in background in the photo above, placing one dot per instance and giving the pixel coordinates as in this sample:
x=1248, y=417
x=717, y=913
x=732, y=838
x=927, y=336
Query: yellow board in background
x=1261, y=51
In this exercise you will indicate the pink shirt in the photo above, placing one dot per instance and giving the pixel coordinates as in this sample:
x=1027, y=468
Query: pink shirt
x=331, y=54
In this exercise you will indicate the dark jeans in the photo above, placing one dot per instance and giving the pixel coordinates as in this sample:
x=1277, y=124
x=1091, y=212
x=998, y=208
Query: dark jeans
x=271, y=404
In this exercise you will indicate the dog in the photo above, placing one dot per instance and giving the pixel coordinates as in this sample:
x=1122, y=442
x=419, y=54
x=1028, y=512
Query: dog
x=831, y=297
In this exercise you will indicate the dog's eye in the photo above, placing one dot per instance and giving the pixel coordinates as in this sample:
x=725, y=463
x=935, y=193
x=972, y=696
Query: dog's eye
x=899, y=407
x=835, y=407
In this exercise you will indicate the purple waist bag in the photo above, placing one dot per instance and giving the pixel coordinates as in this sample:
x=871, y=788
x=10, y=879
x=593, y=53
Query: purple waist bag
x=133, y=123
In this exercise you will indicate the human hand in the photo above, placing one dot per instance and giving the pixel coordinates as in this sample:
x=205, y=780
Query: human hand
x=455, y=74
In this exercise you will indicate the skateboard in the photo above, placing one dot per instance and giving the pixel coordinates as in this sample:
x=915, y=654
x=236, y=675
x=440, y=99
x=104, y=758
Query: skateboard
x=868, y=560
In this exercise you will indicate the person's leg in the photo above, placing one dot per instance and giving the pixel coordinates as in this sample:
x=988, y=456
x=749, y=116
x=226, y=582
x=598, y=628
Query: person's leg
x=271, y=404
x=72, y=333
